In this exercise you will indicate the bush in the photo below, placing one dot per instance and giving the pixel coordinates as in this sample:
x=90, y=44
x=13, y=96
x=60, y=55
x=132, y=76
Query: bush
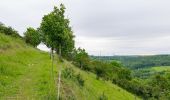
x=103, y=97
x=69, y=73
x=32, y=37
x=9, y=31
x=81, y=59
x=80, y=79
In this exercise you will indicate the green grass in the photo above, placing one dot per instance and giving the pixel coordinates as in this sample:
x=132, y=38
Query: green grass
x=94, y=88
x=24, y=71
x=25, y=74
x=161, y=68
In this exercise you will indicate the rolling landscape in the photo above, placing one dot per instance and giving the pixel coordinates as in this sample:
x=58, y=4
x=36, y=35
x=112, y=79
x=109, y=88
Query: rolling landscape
x=100, y=58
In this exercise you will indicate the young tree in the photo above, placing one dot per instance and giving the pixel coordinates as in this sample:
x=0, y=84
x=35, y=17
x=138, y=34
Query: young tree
x=32, y=37
x=82, y=58
x=57, y=33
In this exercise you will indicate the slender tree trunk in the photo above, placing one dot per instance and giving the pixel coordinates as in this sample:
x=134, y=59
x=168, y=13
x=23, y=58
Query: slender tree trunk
x=80, y=64
x=51, y=54
x=52, y=61
x=60, y=51
x=59, y=74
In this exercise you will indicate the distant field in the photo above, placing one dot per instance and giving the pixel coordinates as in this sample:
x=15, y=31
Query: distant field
x=147, y=72
x=161, y=68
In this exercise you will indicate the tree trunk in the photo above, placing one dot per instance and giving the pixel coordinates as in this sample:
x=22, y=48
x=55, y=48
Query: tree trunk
x=59, y=74
x=51, y=54
x=52, y=60
x=60, y=51
x=80, y=64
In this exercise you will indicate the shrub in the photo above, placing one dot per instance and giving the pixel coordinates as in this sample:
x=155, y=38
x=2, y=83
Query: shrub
x=68, y=73
x=103, y=97
x=8, y=31
x=80, y=79
x=32, y=37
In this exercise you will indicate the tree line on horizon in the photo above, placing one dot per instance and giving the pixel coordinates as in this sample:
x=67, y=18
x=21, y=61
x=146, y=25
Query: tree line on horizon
x=139, y=62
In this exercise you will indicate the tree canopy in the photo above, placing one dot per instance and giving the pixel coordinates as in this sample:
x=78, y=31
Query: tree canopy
x=32, y=37
x=56, y=32
x=81, y=57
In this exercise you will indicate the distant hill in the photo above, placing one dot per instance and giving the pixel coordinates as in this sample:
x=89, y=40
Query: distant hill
x=25, y=74
x=137, y=62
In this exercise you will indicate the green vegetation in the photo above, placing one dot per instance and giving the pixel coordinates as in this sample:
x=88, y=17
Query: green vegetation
x=32, y=37
x=28, y=73
x=151, y=71
x=93, y=88
x=56, y=32
x=137, y=62
x=161, y=68
x=25, y=73
x=8, y=31
x=145, y=80
x=81, y=58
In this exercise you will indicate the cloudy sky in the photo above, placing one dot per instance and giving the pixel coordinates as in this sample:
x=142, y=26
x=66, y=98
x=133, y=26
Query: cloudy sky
x=109, y=27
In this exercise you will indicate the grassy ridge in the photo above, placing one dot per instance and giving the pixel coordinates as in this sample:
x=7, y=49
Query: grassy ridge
x=25, y=73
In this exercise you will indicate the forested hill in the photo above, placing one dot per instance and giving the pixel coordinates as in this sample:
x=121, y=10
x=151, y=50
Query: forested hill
x=136, y=62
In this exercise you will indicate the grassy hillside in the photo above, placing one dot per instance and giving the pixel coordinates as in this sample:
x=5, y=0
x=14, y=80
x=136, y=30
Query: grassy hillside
x=25, y=73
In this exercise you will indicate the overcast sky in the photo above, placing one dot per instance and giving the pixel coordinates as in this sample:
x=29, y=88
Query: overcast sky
x=121, y=27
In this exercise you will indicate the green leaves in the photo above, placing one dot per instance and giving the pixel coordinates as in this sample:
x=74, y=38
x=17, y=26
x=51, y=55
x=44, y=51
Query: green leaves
x=81, y=58
x=32, y=37
x=8, y=31
x=56, y=31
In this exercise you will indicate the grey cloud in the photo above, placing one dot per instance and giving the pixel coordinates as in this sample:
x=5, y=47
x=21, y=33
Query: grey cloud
x=124, y=18
x=120, y=26
x=21, y=14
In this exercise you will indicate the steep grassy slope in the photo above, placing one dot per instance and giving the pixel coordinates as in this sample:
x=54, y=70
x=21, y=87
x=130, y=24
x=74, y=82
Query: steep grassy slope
x=93, y=88
x=25, y=74
x=24, y=71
